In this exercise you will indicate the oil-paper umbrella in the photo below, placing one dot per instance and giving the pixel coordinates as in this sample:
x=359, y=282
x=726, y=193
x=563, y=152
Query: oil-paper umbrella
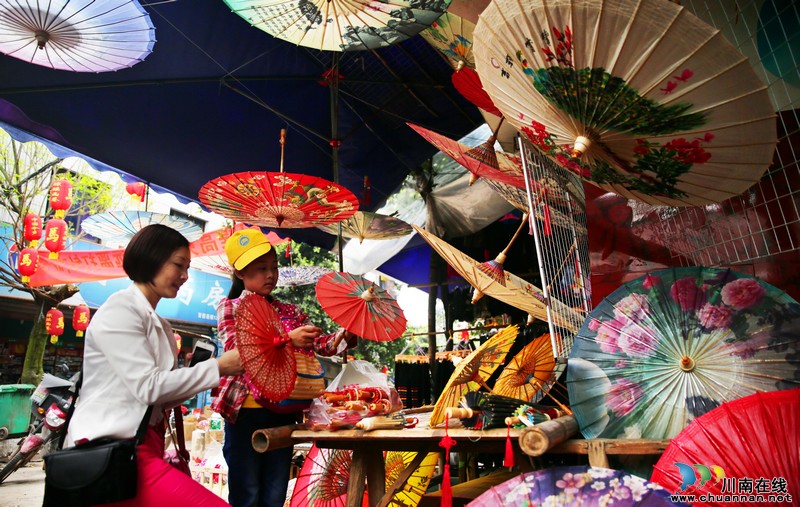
x=76, y=35
x=512, y=290
x=360, y=306
x=119, y=226
x=293, y=276
x=396, y=465
x=368, y=225
x=269, y=364
x=746, y=446
x=668, y=347
x=639, y=97
x=323, y=478
x=472, y=372
x=575, y=485
x=530, y=372
x=339, y=25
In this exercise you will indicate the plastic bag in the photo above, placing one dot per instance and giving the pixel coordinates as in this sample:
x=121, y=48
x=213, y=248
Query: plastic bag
x=359, y=391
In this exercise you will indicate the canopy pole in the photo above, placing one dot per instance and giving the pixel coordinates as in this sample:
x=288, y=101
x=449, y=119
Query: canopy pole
x=335, y=142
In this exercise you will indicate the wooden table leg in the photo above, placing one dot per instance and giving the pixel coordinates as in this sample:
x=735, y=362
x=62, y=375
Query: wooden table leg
x=368, y=466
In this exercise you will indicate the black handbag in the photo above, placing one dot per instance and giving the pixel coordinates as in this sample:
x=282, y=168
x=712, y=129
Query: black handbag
x=95, y=472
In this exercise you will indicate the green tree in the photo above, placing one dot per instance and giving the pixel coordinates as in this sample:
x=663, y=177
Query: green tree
x=27, y=171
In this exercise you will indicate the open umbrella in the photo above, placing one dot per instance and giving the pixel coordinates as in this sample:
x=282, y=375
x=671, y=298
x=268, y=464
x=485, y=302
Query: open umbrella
x=269, y=369
x=672, y=345
x=340, y=25
x=323, y=478
x=530, y=371
x=293, y=276
x=451, y=35
x=417, y=484
x=360, y=306
x=472, y=372
x=639, y=97
x=518, y=198
x=745, y=446
x=118, y=227
x=368, y=225
x=515, y=291
x=76, y=35
x=573, y=486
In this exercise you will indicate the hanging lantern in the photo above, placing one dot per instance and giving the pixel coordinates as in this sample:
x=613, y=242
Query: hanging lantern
x=80, y=319
x=137, y=191
x=54, y=323
x=60, y=197
x=32, y=229
x=27, y=263
x=55, y=236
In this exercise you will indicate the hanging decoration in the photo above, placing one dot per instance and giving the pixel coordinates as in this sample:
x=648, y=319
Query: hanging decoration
x=55, y=236
x=27, y=263
x=32, y=229
x=178, y=341
x=137, y=191
x=54, y=324
x=60, y=196
x=80, y=319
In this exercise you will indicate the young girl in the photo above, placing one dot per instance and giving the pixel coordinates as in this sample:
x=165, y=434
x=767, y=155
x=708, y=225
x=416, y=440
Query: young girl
x=259, y=479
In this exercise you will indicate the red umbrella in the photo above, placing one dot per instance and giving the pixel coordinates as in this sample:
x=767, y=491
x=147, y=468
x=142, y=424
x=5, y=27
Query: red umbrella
x=323, y=478
x=360, y=306
x=746, y=446
x=269, y=369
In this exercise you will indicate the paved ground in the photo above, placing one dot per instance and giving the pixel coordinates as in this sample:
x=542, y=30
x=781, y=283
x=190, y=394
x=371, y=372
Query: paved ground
x=24, y=488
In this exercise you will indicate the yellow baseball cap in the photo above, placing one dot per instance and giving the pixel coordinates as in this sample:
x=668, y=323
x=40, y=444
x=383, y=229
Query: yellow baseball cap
x=245, y=246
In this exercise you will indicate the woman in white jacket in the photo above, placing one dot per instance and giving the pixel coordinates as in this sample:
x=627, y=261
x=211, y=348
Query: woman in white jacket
x=129, y=363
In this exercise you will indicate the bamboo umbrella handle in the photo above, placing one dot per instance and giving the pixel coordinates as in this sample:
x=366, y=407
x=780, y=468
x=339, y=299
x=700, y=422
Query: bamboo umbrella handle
x=538, y=439
x=459, y=413
x=269, y=439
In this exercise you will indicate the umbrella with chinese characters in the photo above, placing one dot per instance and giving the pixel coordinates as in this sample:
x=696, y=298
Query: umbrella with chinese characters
x=744, y=446
x=575, y=486
x=360, y=306
x=269, y=363
x=417, y=483
x=451, y=35
x=472, y=372
x=639, y=97
x=668, y=347
x=76, y=35
x=340, y=25
x=367, y=225
x=323, y=478
x=278, y=199
x=511, y=290
x=118, y=227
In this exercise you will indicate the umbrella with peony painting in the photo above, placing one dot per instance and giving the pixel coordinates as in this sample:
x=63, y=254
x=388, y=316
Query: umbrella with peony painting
x=668, y=347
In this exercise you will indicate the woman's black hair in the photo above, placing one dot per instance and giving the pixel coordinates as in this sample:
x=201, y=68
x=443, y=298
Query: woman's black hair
x=149, y=249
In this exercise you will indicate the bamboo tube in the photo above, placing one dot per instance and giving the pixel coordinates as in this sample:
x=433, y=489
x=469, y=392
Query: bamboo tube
x=459, y=413
x=269, y=439
x=538, y=439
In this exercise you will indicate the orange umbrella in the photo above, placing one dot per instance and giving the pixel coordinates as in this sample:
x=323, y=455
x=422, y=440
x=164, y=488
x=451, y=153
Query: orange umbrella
x=269, y=369
x=360, y=306
x=473, y=371
x=529, y=372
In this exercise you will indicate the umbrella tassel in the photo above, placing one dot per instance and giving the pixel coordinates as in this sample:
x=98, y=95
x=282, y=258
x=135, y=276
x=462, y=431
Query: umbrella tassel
x=508, y=459
x=547, y=229
x=447, y=491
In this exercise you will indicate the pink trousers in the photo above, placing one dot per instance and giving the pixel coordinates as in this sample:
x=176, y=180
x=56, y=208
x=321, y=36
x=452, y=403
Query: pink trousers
x=160, y=484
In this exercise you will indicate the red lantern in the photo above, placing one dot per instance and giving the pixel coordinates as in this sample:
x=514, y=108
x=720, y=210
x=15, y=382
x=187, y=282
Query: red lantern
x=27, y=263
x=80, y=319
x=55, y=236
x=60, y=197
x=32, y=228
x=54, y=322
x=178, y=341
x=137, y=191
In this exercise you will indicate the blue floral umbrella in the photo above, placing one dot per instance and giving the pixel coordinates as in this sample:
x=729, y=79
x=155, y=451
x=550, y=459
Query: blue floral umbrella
x=670, y=346
x=573, y=486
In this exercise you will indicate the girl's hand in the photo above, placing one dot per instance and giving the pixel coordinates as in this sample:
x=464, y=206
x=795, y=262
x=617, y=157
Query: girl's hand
x=230, y=363
x=303, y=337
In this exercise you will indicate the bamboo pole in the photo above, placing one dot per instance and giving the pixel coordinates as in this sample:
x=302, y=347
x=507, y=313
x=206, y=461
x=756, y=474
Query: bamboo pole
x=269, y=439
x=537, y=440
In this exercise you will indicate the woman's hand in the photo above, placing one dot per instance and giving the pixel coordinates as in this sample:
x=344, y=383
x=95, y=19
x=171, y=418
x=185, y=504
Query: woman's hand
x=230, y=363
x=303, y=337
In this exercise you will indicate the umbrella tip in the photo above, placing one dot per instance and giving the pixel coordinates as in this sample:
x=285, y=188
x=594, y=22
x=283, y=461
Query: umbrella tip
x=41, y=37
x=369, y=294
x=687, y=364
x=582, y=144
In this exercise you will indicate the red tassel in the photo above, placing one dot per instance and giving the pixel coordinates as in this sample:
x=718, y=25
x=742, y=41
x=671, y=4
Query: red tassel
x=288, y=252
x=447, y=491
x=508, y=459
x=547, y=229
